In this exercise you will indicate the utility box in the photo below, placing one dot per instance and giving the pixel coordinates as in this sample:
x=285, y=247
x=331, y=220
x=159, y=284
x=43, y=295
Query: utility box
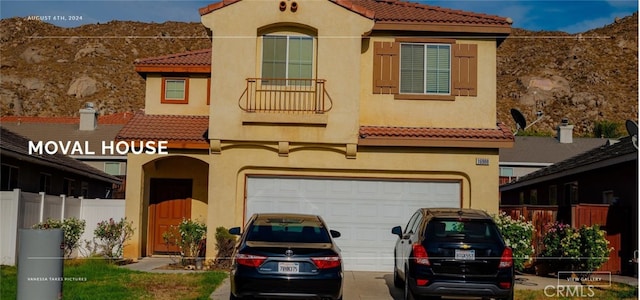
x=40, y=264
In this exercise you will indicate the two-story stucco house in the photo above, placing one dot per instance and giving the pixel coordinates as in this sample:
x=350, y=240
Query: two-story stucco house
x=359, y=111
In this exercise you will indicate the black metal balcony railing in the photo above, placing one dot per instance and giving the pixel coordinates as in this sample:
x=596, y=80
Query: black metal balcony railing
x=285, y=95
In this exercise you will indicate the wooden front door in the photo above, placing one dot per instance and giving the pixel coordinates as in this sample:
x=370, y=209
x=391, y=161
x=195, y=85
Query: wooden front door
x=170, y=203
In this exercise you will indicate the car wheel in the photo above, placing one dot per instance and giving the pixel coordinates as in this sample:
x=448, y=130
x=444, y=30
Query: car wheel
x=407, y=295
x=510, y=297
x=397, y=282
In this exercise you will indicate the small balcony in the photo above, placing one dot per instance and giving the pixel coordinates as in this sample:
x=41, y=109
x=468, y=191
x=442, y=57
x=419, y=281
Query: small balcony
x=285, y=96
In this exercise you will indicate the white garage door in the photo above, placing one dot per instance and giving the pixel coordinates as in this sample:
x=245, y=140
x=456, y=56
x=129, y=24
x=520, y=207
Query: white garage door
x=364, y=211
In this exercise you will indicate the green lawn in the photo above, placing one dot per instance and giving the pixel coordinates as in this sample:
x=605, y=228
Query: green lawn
x=118, y=283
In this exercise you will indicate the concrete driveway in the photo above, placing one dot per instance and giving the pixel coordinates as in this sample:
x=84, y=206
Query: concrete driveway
x=379, y=286
x=357, y=285
x=370, y=286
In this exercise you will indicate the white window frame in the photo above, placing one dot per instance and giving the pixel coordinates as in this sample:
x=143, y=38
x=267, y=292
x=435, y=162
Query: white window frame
x=426, y=71
x=288, y=37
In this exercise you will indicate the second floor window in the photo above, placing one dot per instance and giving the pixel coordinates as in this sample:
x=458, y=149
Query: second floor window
x=175, y=90
x=287, y=57
x=425, y=68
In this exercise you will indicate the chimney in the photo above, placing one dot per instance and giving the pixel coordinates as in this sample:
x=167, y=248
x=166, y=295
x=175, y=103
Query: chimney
x=88, y=117
x=565, y=132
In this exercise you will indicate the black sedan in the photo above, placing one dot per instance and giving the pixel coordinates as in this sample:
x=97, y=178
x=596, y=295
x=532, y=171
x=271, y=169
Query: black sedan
x=286, y=256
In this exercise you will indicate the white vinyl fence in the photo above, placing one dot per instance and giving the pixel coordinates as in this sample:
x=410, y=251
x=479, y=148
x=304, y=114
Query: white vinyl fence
x=20, y=210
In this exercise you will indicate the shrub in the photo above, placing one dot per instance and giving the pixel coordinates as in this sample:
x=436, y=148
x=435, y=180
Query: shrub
x=72, y=228
x=606, y=129
x=517, y=234
x=225, y=243
x=112, y=237
x=189, y=236
x=595, y=247
x=571, y=249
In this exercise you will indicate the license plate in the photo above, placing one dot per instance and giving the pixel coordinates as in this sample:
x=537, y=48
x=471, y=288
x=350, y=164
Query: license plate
x=286, y=267
x=465, y=254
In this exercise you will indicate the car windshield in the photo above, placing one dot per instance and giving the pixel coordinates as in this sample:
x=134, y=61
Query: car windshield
x=288, y=231
x=467, y=230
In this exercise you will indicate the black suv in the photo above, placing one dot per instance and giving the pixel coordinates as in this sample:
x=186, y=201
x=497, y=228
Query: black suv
x=452, y=252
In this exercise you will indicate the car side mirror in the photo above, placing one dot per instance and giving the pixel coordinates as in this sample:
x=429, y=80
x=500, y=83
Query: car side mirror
x=234, y=230
x=334, y=234
x=397, y=231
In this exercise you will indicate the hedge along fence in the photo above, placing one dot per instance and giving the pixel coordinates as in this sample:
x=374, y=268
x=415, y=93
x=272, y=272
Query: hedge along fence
x=574, y=249
x=22, y=210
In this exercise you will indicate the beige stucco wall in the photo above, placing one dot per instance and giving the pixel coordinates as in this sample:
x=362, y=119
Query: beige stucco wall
x=197, y=106
x=464, y=112
x=345, y=60
x=227, y=178
x=140, y=169
x=236, y=50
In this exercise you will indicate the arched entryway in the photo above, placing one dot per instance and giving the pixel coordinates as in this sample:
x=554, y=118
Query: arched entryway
x=176, y=189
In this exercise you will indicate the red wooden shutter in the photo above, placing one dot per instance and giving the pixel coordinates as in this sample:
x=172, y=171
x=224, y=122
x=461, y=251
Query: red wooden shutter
x=386, y=67
x=464, y=70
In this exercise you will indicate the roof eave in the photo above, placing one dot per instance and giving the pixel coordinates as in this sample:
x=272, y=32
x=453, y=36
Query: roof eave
x=171, y=144
x=576, y=170
x=173, y=69
x=43, y=162
x=501, y=30
x=348, y=4
x=435, y=142
x=215, y=6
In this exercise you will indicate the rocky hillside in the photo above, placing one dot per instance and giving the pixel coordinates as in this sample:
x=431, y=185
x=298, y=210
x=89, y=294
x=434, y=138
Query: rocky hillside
x=587, y=77
x=52, y=71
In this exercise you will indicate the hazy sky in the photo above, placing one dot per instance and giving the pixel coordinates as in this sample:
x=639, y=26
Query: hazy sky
x=570, y=16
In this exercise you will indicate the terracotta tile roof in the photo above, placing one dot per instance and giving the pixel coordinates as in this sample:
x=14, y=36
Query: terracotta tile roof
x=409, y=12
x=396, y=11
x=427, y=135
x=112, y=119
x=179, y=131
x=198, y=61
x=499, y=133
x=17, y=146
x=117, y=118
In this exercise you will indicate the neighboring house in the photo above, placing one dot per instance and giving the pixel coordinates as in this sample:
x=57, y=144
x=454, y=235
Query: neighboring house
x=599, y=186
x=359, y=111
x=55, y=174
x=87, y=128
x=532, y=153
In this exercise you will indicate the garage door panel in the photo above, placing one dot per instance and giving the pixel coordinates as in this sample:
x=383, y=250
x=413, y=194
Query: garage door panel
x=364, y=211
